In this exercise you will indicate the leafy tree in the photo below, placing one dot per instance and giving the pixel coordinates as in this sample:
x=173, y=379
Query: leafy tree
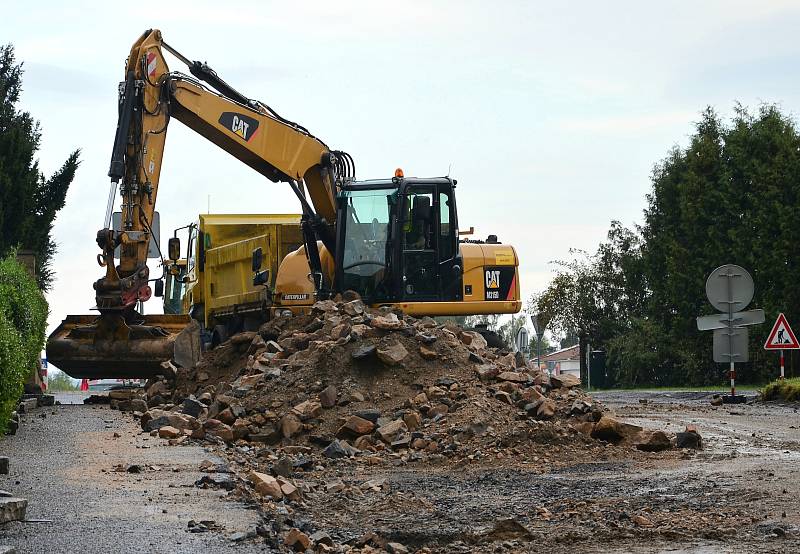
x=61, y=382
x=593, y=297
x=546, y=346
x=28, y=201
x=508, y=330
x=731, y=196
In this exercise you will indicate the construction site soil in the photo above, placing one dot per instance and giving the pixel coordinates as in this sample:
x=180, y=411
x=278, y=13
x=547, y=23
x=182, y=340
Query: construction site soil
x=361, y=430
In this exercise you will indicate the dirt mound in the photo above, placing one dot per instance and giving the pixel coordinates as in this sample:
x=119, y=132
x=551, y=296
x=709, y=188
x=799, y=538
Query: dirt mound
x=308, y=403
x=376, y=380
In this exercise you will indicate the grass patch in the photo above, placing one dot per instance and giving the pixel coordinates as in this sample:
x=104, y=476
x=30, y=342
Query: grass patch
x=787, y=390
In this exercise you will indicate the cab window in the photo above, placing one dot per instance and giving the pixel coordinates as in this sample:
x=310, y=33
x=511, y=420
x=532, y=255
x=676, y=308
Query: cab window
x=446, y=242
x=419, y=222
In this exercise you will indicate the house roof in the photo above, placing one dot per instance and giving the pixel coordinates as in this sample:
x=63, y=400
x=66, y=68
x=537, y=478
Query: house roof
x=569, y=353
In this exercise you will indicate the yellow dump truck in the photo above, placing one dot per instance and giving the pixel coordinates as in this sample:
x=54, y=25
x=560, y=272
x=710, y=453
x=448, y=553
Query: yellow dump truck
x=213, y=280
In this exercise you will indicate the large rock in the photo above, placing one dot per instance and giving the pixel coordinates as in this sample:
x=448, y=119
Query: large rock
x=565, y=380
x=226, y=416
x=324, y=306
x=169, y=432
x=689, y=439
x=427, y=353
x=45, y=400
x=363, y=352
x=159, y=388
x=653, y=441
x=245, y=337
x=412, y=420
x=136, y=405
x=123, y=394
x=513, y=376
x=192, y=406
x=388, y=322
x=389, y=432
x=392, y=354
x=155, y=419
x=12, y=509
x=508, y=361
x=355, y=427
x=216, y=428
x=267, y=434
x=328, y=397
x=581, y=406
x=297, y=540
x=612, y=430
x=339, y=449
x=266, y=485
x=353, y=308
x=541, y=378
x=290, y=425
x=27, y=406
x=473, y=339
x=546, y=409
x=307, y=410
x=13, y=424
x=487, y=372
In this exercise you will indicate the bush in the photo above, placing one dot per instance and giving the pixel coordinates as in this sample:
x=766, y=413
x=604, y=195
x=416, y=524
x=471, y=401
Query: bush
x=23, y=320
x=787, y=390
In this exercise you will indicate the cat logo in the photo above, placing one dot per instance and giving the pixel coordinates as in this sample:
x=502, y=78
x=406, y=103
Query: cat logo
x=241, y=125
x=492, y=279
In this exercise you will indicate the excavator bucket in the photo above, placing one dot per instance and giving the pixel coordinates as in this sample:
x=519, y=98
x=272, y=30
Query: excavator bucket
x=108, y=347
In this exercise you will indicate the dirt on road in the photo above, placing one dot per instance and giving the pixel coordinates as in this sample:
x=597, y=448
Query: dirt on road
x=738, y=494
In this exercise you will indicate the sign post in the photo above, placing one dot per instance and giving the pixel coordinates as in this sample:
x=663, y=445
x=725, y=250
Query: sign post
x=781, y=338
x=730, y=289
x=540, y=322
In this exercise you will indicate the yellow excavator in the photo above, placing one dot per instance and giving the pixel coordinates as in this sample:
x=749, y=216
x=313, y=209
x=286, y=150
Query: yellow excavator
x=393, y=241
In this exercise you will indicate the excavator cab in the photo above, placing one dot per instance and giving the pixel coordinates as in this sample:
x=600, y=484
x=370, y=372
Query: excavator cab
x=398, y=240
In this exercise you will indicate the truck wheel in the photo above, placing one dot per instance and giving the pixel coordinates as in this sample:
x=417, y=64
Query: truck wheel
x=219, y=335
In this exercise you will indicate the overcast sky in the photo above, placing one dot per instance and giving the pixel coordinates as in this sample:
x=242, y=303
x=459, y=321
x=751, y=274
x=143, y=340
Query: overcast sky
x=551, y=115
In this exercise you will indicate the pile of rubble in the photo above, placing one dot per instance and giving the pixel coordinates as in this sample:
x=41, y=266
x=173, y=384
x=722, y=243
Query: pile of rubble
x=347, y=383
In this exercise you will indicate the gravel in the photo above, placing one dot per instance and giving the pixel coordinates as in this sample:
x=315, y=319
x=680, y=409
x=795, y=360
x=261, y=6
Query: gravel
x=57, y=463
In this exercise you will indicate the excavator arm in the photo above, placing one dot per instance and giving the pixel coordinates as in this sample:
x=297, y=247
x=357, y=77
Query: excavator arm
x=122, y=342
x=248, y=130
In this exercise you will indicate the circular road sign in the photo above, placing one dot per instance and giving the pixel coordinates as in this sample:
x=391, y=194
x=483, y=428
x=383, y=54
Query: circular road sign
x=730, y=287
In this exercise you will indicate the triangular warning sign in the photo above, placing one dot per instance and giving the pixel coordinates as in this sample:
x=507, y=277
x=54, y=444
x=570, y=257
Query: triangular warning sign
x=781, y=337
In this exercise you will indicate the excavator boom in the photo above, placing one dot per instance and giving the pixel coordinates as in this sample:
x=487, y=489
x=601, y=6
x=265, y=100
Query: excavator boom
x=120, y=342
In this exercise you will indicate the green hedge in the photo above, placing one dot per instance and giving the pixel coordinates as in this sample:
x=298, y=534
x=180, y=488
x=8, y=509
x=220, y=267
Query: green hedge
x=23, y=320
x=788, y=390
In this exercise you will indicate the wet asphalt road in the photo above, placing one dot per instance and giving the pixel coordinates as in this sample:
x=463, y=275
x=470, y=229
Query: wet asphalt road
x=64, y=465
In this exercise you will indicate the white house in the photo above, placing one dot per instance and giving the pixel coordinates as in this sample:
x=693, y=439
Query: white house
x=566, y=360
